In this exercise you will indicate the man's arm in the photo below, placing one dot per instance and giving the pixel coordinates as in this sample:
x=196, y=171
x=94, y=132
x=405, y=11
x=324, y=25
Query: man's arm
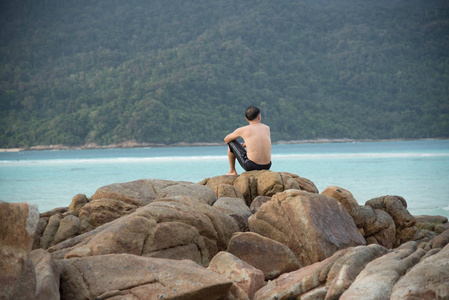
x=233, y=135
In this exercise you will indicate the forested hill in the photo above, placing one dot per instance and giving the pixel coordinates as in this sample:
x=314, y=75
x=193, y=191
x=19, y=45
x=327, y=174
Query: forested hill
x=107, y=71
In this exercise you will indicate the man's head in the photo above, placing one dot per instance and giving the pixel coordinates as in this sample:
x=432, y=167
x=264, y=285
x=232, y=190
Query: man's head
x=251, y=113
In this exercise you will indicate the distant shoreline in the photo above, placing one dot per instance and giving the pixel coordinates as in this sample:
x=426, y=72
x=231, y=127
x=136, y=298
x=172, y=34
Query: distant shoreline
x=132, y=144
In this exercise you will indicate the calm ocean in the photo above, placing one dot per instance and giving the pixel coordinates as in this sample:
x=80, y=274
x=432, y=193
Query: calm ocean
x=415, y=170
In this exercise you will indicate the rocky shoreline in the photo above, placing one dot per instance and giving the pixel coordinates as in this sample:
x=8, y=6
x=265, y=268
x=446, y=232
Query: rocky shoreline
x=259, y=235
x=134, y=144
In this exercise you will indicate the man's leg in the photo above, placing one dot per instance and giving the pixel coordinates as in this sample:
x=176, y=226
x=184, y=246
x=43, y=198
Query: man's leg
x=231, y=158
x=236, y=152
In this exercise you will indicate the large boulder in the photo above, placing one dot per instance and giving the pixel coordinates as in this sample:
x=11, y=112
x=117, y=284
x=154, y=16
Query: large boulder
x=327, y=279
x=245, y=276
x=380, y=275
x=18, y=222
x=78, y=201
x=235, y=208
x=269, y=256
x=376, y=225
x=429, y=222
x=313, y=226
x=176, y=228
x=126, y=276
x=292, y=285
x=143, y=192
x=102, y=211
x=344, y=271
x=429, y=279
x=260, y=183
x=47, y=275
x=396, y=207
x=109, y=203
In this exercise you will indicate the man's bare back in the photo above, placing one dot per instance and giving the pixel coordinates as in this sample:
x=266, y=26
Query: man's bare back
x=257, y=142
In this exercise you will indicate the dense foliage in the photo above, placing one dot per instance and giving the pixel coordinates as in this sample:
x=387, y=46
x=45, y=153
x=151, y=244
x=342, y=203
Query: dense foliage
x=107, y=71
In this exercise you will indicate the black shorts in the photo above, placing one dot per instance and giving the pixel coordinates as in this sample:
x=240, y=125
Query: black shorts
x=244, y=161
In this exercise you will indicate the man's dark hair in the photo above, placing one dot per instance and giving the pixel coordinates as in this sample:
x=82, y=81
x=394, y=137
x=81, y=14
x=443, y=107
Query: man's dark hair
x=252, y=112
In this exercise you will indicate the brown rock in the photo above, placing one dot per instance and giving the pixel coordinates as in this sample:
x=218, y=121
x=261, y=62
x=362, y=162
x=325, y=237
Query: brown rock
x=345, y=270
x=258, y=183
x=429, y=279
x=176, y=228
x=429, y=222
x=143, y=192
x=267, y=255
x=128, y=276
x=68, y=228
x=248, y=278
x=377, y=225
x=292, y=285
x=102, y=211
x=301, y=221
x=17, y=226
x=41, y=225
x=295, y=182
x=441, y=228
x=396, y=206
x=257, y=203
x=441, y=240
x=50, y=231
x=187, y=189
x=55, y=211
x=77, y=203
x=47, y=275
x=226, y=190
x=344, y=197
x=235, y=208
x=380, y=275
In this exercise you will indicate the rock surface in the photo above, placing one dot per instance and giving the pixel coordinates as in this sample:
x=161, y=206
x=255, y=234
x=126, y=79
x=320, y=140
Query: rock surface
x=313, y=226
x=126, y=276
x=18, y=222
x=245, y=276
x=271, y=257
x=429, y=279
x=177, y=227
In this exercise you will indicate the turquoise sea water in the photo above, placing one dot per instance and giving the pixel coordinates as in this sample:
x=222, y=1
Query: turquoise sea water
x=415, y=170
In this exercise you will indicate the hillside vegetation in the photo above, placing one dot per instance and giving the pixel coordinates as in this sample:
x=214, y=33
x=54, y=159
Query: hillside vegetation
x=108, y=71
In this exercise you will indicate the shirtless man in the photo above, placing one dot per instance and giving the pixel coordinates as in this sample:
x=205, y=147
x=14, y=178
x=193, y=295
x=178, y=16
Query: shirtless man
x=257, y=140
